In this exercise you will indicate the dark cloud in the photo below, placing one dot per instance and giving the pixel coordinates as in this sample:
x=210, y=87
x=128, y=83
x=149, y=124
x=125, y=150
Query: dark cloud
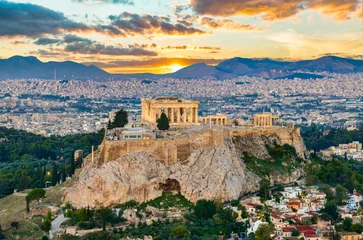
x=69, y=38
x=125, y=2
x=101, y=49
x=226, y=24
x=25, y=19
x=136, y=45
x=46, y=41
x=135, y=24
x=276, y=9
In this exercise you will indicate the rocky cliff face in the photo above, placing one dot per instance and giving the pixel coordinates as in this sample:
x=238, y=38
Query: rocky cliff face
x=216, y=172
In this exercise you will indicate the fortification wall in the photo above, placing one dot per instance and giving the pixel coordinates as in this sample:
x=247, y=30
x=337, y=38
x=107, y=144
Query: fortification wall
x=177, y=150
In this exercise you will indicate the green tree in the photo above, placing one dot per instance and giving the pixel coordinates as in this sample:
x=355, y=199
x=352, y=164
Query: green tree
x=341, y=194
x=263, y=232
x=41, y=177
x=35, y=194
x=14, y=225
x=180, y=232
x=23, y=181
x=295, y=233
x=54, y=175
x=347, y=223
x=163, y=122
x=330, y=212
x=120, y=120
x=64, y=175
x=205, y=209
x=105, y=215
x=109, y=125
x=47, y=225
x=264, y=186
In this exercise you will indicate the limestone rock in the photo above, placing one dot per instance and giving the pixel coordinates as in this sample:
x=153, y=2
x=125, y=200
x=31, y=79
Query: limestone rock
x=214, y=173
x=131, y=217
x=136, y=176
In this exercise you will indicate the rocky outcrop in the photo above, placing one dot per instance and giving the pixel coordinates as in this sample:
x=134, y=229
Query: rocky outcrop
x=210, y=171
x=214, y=173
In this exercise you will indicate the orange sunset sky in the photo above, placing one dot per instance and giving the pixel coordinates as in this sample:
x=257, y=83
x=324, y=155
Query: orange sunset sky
x=161, y=36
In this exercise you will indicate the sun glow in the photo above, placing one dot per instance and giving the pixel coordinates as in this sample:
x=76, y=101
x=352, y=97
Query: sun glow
x=174, y=67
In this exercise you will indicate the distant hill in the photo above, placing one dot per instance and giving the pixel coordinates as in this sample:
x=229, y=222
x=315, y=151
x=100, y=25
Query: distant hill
x=268, y=68
x=30, y=67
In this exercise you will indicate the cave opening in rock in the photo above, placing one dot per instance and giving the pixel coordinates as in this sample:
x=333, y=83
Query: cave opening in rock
x=170, y=185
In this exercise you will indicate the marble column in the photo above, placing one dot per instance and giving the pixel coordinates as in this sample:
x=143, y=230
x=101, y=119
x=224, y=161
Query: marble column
x=196, y=115
x=184, y=115
x=178, y=115
x=172, y=115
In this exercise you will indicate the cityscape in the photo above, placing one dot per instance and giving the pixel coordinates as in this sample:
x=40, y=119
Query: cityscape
x=65, y=107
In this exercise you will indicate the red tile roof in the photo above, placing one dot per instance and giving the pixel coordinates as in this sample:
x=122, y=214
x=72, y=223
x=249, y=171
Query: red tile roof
x=305, y=229
x=288, y=229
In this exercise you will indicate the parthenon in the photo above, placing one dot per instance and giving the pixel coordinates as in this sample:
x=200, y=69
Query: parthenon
x=178, y=110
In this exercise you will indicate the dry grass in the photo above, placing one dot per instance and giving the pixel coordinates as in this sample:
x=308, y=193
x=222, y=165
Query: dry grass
x=13, y=208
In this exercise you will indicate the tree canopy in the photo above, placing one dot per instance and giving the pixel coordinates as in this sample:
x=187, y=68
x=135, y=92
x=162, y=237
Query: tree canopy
x=163, y=122
x=120, y=120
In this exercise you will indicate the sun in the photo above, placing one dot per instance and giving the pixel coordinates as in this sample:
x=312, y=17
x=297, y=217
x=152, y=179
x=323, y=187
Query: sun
x=175, y=67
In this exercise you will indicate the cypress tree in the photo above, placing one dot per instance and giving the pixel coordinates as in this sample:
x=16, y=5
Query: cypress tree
x=54, y=175
x=41, y=178
x=120, y=120
x=64, y=175
x=163, y=122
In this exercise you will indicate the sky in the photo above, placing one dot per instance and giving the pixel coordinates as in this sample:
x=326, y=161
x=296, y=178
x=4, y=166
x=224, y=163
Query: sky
x=161, y=36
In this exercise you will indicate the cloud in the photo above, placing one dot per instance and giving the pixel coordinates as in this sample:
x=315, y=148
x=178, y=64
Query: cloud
x=51, y=52
x=125, y=2
x=25, y=19
x=15, y=43
x=69, y=38
x=184, y=47
x=46, y=41
x=101, y=49
x=147, y=25
x=226, y=24
x=276, y=9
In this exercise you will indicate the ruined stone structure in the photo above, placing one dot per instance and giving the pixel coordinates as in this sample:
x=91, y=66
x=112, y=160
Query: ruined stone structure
x=177, y=149
x=264, y=120
x=218, y=119
x=179, y=111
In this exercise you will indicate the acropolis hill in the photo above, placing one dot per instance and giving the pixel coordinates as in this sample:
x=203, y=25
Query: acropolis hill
x=201, y=160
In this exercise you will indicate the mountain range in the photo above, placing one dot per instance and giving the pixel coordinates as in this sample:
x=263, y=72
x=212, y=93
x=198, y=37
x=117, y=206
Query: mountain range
x=19, y=67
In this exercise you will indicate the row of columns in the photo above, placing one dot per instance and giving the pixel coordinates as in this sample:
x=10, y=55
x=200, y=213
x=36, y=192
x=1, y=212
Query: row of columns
x=179, y=115
x=215, y=120
x=263, y=121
